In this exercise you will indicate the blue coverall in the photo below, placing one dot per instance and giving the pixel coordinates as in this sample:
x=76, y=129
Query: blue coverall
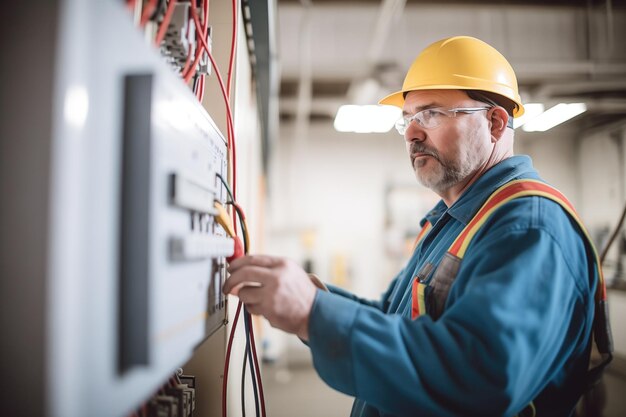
x=516, y=327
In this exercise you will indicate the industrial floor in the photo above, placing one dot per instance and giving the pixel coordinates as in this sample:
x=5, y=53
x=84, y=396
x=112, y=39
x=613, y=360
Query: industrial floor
x=294, y=389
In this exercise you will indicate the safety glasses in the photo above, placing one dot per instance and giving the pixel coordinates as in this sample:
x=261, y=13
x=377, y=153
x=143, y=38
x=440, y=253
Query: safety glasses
x=431, y=118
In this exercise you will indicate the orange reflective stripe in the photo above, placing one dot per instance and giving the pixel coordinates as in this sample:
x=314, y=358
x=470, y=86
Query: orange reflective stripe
x=501, y=196
x=417, y=290
x=516, y=189
x=417, y=299
x=422, y=234
x=415, y=307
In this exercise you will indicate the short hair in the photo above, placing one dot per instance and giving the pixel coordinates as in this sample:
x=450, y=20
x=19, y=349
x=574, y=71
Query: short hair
x=492, y=99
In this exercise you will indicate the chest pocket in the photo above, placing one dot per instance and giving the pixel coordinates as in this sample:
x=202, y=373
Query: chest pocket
x=439, y=287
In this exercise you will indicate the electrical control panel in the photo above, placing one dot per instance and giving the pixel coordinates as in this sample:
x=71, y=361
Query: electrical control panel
x=136, y=260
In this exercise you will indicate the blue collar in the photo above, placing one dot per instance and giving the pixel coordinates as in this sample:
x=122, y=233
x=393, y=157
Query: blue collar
x=473, y=198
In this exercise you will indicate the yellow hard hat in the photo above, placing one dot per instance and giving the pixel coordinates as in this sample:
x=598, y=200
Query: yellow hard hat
x=461, y=63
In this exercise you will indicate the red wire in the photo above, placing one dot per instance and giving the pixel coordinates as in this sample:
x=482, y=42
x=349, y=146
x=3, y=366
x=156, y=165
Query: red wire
x=191, y=71
x=201, y=92
x=231, y=144
x=227, y=359
x=201, y=31
x=229, y=114
x=205, y=4
x=165, y=23
x=233, y=45
x=130, y=4
x=231, y=135
x=147, y=12
x=241, y=213
x=257, y=369
x=203, y=87
x=196, y=88
x=200, y=28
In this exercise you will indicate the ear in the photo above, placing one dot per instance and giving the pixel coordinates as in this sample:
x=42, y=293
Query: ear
x=498, y=119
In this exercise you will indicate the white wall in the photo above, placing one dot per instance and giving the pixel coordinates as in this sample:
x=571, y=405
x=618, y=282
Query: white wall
x=555, y=156
x=603, y=188
x=602, y=180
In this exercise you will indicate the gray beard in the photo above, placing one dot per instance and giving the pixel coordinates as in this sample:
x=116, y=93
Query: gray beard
x=447, y=174
x=442, y=180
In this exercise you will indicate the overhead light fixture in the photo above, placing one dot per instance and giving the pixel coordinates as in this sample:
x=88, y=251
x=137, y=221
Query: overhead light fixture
x=531, y=110
x=554, y=116
x=366, y=119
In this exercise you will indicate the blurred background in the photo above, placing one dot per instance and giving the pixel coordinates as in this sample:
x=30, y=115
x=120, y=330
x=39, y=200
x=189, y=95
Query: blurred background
x=346, y=204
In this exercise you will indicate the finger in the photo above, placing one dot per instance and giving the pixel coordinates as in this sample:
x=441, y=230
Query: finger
x=238, y=287
x=318, y=282
x=247, y=274
x=254, y=260
x=254, y=309
x=250, y=295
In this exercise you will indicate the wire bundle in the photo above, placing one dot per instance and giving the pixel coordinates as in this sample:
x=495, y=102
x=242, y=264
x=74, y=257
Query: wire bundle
x=202, y=31
x=188, y=72
x=250, y=354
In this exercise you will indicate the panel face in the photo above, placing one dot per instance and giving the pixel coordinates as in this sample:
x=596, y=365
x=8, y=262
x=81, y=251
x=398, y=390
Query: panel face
x=136, y=259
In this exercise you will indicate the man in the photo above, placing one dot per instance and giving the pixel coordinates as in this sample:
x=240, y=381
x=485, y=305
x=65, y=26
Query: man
x=505, y=331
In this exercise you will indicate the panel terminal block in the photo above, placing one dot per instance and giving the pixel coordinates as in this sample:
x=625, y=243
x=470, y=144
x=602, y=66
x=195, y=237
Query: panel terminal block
x=193, y=193
x=198, y=246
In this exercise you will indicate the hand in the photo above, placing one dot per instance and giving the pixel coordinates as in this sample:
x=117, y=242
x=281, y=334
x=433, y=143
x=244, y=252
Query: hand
x=275, y=288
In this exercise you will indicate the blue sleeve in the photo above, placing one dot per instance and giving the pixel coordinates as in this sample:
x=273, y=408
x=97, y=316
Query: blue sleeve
x=517, y=313
x=382, y=304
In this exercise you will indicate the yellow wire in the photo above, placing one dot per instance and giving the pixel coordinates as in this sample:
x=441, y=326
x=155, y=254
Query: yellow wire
x=224, y=219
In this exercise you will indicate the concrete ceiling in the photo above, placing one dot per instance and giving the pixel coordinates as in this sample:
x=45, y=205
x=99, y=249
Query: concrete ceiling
x=342, y=52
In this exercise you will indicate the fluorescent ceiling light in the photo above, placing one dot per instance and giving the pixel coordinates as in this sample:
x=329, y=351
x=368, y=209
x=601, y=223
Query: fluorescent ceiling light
x=554, y=116
x=531, y=110
x=366, y=119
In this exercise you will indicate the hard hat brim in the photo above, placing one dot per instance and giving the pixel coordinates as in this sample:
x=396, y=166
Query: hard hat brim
x=394, y=99
x=397, y=98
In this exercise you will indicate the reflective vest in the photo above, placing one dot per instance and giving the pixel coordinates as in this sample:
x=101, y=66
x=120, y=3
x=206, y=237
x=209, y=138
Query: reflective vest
x=447, y=270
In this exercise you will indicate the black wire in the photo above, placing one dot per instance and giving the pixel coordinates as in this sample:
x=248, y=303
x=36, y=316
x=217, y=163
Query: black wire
x=159, y=11
x=246, y=316
x=243, y=380
x=244, y=229
x=196, y=82
x=247, y=322
x=613, y=236
x=230, y=193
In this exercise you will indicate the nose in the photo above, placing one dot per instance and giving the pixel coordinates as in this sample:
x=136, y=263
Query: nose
x=414, y=133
